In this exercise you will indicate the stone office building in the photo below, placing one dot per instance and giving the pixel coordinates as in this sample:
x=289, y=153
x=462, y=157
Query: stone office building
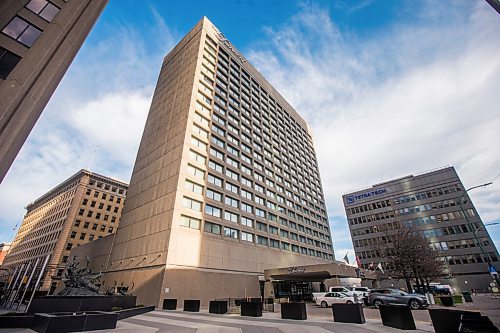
x=225, y=184
x=83, y=208
x=429, y=202
x=38, y=41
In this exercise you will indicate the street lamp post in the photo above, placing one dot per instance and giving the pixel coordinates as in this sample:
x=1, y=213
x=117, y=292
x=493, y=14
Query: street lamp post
x=475, y=230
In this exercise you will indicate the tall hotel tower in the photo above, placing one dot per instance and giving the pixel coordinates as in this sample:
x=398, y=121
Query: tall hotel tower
x=38, y=41
x=225, y=183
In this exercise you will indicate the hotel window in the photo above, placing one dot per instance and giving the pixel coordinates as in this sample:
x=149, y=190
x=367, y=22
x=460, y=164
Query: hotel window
x=86, y=225
x=285, y=246
x=82, y=235
x=69, y=246
x=197, y=143
x=231, y=202
x=212, y=228
x=216, y=166
x=230, y=232
x=231, y=217
x=200, y=131
x=94, y=226
x=232, y=188
x=77, y=223
x=214, y=180
x=274, y=243
x=260, y=213
x=213, y=195
x=192, y=204
x=193, y=187
x=246, y=221
x=73, y=234
x=273, y=230
x=246, y=237
x=22, y=31
x=246, y=208
x=261, y=240
x=8, y=61
x=211, y=210
x=246, y=194
x=196, y=172
x=232, y=175
x=190, y=222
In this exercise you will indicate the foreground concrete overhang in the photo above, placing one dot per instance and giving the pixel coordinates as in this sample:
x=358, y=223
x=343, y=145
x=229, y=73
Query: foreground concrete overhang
x=317, y=273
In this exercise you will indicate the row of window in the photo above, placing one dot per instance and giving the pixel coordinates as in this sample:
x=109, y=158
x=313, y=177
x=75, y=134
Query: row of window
x=279, y=142
x=83, y=235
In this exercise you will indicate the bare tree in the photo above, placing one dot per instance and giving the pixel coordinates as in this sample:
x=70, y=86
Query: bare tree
x=412, y=258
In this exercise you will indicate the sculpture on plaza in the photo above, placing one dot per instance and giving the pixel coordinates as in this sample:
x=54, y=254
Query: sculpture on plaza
x=79, y=281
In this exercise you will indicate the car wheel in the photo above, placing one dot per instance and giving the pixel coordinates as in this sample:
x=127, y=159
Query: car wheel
x=414, y=304
x=349, y=302
x=324, y=304
x=377, y=303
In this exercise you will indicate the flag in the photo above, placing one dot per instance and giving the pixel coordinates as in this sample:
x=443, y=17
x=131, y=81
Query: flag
x=358, y=262
x=379, y=267
x=346, y=259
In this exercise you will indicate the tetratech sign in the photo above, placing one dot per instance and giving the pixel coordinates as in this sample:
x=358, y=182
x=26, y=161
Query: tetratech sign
x=353, y=198
x=224, y=40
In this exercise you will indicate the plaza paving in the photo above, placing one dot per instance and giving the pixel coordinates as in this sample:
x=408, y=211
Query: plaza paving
x=319, y=320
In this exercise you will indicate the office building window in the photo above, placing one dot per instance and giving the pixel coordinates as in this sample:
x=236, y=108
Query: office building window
x=22, y=31
x=8, y=61
x=246, y=237
x=192, y=204
x=43, y=8
x=211, y=210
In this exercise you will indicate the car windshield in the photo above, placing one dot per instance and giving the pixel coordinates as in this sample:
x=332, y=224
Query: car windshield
x=399, y=292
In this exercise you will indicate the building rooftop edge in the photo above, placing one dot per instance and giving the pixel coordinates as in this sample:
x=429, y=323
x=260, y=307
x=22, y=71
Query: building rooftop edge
x=422, y=173
x=71, y=179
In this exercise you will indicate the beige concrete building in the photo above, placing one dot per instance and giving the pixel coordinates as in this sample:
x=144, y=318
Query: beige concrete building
x=38, y=41
x=225, y=184
x=83, y=208
x=4, y=249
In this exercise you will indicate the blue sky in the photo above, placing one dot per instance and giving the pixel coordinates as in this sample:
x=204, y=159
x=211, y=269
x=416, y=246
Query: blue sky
x=389, y=88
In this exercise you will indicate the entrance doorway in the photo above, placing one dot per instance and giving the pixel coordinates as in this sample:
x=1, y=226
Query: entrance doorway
x=294, y=290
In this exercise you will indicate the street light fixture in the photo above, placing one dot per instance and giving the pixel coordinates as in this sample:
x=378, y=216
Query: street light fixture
x=475, y=230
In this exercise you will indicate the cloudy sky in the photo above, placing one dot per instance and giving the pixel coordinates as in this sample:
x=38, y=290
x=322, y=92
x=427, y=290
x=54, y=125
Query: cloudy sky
x=390, y=88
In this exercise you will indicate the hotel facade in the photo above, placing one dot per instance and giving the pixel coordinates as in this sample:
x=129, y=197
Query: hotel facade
x=225, y=184
x=38, y=41
x=85, y=207
x=429, y=202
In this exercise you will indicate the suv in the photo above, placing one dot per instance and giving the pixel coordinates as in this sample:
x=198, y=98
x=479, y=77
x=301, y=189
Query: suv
x=376, y=297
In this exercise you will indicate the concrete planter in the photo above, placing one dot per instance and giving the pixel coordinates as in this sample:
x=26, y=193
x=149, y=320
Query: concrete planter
x=69, y=322
x=122, y=314
x=448, y=320
x=397, y=316
x=295, y=311
x=17, y=320
x=219, y=307
x=348, y=313
x=251, y=309
x=51, y=304
x=192, y=305
x=169, y=304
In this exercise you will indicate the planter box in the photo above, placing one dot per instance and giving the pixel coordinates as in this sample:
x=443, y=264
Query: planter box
x=295, y=311
x=457, y=299
x=17, y=320
x=476, y=323
x=219, y=307
x=251, y=309
x=169, y=304
x=397, y=316
x=69, y=322
x=192, y=305
x=446, y=300
x=122, y=314
x=51, y=304
x=448, y=320
x=348, y=313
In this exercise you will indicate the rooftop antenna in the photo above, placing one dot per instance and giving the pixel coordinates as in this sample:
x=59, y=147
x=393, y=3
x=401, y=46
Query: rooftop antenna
x=93, y=156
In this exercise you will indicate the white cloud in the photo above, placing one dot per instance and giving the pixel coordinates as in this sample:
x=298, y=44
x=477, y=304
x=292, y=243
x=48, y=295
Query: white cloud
x=102, y=101
x=418, y=96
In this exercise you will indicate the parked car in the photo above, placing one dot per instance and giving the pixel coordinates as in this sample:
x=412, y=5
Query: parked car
x=330, y=298
x=316, y=295
x=361, y=291
x=376, y=297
